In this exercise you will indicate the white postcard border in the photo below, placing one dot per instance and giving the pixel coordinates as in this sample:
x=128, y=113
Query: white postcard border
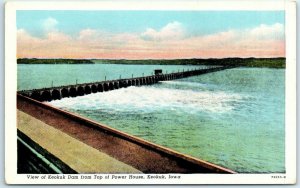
x=11, y=175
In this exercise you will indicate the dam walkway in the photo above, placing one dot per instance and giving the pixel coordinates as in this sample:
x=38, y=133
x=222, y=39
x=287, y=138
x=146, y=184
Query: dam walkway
x=56, y=93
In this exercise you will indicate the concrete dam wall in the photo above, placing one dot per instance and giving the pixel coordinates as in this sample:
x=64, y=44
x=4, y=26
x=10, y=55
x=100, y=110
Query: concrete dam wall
x=56, y=93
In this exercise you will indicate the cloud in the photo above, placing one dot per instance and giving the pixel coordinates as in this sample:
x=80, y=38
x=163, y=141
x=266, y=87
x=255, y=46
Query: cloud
x=49, y=24
x=275, y=31
x=171, y=31
x=169, y=42
x=87, y=34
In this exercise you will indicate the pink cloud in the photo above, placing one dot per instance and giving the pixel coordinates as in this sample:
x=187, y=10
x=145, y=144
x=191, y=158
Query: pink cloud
x=167, y=43
x=171, y=31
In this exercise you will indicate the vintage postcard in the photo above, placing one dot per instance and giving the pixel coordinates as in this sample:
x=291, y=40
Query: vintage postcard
x=150, y=92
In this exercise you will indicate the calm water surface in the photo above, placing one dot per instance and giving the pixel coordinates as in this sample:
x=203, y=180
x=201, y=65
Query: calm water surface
x=40, y=76
x=233, y=118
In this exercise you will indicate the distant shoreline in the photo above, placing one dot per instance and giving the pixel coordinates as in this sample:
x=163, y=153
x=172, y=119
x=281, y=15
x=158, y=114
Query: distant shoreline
x=243, y=62
x=53, y=61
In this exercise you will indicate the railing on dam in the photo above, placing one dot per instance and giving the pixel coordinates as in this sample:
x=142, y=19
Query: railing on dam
x=55, y=93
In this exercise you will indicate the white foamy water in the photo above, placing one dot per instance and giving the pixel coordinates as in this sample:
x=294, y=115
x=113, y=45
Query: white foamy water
x=150, y=98
x=183, y=83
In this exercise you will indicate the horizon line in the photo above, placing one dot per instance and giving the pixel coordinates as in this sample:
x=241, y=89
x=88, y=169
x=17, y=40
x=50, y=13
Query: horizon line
x=158, y=59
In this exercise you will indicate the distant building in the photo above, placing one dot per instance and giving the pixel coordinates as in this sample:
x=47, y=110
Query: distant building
x=158, y=71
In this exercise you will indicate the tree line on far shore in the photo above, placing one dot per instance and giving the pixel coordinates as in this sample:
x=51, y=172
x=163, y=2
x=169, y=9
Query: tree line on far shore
x=53, y=61
x=243, y=62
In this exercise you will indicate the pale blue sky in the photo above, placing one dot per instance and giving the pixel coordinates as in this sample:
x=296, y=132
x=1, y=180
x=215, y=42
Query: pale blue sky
x=150, y=34
x=195, y=22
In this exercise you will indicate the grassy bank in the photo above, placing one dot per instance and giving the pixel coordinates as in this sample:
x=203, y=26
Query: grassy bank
x=244, y=62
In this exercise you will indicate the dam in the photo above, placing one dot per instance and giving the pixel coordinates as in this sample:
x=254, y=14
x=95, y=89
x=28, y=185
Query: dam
x=135, y=154
x=56, y=93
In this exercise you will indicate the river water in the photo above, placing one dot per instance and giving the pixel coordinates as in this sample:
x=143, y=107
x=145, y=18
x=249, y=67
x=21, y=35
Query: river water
x=233, y=118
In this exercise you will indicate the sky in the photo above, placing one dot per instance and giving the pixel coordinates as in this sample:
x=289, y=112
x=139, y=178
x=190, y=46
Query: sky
x=149, y=34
